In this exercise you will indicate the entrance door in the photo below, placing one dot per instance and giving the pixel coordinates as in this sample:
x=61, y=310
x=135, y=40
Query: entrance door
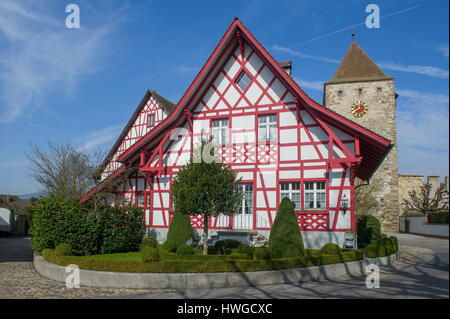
x=244, y=219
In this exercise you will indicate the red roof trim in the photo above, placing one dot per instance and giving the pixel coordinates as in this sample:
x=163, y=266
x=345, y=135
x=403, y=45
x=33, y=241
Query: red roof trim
x=99, y=186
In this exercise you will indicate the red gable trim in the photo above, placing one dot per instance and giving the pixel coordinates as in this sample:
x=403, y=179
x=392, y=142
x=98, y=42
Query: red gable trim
x=286, y=79
x=100, y=186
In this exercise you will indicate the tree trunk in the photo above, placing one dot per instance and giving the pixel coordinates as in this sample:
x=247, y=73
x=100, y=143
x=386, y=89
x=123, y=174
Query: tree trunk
x=205, y=234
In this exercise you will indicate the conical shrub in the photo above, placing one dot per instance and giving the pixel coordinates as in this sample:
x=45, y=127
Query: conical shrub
x=285, y=238
x=180, y=229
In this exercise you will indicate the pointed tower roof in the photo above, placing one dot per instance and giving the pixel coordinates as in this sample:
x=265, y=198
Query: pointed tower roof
x=357, y=66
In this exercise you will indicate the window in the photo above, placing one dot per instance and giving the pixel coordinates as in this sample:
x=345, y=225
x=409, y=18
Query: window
x=360, y=91
x=267, y=128
x=315, y=195
x=220, y=131
x=151, y=120
x=246, y=207
x=379, y=90
x=141, y=200
x=243, y=80
x=149, y=202
x=340, y=93
x=291, y=191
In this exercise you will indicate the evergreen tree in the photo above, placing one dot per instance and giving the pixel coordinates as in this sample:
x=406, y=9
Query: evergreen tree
x=180, y=229
x=285, y=238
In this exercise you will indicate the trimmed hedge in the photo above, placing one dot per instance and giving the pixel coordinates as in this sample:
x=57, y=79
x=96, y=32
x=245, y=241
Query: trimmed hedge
x=285, y=239
x=382, y=247
x=438, y=217
x=330, y=249
x=195, y=266
x=368, y=230
x=149, y=254
x=262, y=253
x=246, y=249
x=170, y=246
x=63, y=250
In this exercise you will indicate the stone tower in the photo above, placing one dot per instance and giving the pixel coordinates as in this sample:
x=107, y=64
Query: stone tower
x=363, y=93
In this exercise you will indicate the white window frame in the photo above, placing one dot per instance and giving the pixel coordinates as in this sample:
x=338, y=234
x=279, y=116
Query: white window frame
x=315, y=191
x=290, y=192
x=247, y=199
x=220, y=132
x=243, y=81
x=140, y=199
x=269, y=121
x=151, y=116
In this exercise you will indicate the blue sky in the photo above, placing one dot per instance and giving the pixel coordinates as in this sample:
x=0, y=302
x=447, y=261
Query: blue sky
x=82, y=85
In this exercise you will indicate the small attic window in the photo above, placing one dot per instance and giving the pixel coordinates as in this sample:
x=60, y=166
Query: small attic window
x=243, y=80
x=339, y=93
x=151, y=120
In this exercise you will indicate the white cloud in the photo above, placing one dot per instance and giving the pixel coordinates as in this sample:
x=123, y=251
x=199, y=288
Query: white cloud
x=40, y=55
x=98, y=138
x=444, y=50
x=312, y=85
x=422, y=132
x=418, y=69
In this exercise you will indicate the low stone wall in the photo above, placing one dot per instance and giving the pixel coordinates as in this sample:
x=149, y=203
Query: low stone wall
x=417, y=226
x=105, y=279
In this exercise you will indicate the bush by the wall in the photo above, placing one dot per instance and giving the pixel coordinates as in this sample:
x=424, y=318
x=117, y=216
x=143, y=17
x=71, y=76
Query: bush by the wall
x=63, y=250
x=394, y=242
x=285, y=239
x=368, y=230
x=122, y=229
x=224, y=247
x=57, y=221
x=149, y=242
x=381, y=248
x=180, y=229
x=330, y=249
x=185, y=250
x=149, y=254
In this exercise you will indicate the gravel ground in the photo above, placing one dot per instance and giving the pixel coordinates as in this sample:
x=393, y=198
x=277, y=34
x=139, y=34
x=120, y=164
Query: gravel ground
x=18, y=279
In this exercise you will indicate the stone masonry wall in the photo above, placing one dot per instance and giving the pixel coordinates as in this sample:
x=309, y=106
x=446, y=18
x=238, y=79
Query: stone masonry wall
x=406, y=184
x=381, y=119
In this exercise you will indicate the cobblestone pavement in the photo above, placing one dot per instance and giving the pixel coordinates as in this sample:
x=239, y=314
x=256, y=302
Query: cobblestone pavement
x=18, y=279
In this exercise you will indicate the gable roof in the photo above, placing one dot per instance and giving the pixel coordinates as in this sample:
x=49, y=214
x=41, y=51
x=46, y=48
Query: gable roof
x=357, y=66
x=373, y=146
x=166, y=105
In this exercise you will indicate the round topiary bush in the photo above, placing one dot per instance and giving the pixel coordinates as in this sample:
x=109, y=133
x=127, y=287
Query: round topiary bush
x=246, y=249
x=149, y=254
x=330, y=249
x=149, y=242
x=368, y=230
x=185, y=250
x=170, y=245
x=63, y=250
x=285, y=238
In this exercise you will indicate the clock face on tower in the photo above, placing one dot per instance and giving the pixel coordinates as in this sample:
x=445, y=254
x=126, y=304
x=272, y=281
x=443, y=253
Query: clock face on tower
x=359, y=109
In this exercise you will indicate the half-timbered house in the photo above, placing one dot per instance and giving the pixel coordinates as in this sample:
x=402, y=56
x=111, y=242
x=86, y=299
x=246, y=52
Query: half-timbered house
x=280, y=141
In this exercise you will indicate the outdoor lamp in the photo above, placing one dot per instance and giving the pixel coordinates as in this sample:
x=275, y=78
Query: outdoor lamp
x=344, y=204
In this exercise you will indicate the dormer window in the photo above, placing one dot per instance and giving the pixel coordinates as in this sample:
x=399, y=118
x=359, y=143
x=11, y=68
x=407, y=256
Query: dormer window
x=243, y=80
x=151, y=120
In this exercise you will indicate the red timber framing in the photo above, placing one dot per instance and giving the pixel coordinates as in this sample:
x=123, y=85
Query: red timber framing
x=312, y=143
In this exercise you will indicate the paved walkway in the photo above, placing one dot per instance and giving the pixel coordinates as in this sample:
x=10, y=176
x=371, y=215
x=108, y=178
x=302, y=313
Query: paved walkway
x=422, y=272
x=18, y=279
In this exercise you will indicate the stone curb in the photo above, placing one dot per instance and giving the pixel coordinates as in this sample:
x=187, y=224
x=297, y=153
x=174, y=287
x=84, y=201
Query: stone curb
x=106, y=279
